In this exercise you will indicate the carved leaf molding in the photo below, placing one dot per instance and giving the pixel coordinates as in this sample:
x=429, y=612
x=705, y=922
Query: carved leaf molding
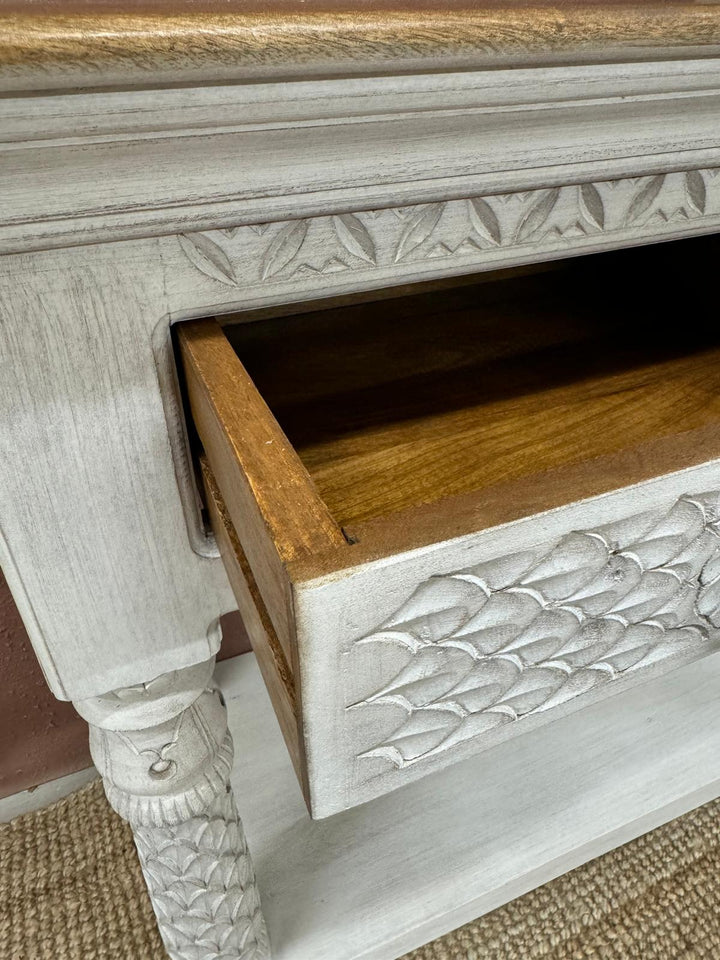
x=538, y=214
x=484, y=220
x=522, y=634
x=477, y=230
x=696, y=190
x=354, y=236
x=208, y=256
x=644, y=198
x=418, y=229
x=284, y=247
x=591, y=205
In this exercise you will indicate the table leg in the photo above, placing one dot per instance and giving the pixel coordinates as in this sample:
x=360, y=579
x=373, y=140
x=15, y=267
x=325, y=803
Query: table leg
x=165, y=755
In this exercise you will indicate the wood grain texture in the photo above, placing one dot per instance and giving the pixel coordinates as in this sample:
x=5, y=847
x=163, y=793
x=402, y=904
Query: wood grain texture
x=270, y=497
x=268, y=650
x=401, y=403
x=295, y=517
x=95, y=43
x=95, y=544
x=522, y=382
x=117, y=164
x=309, y=187
x=108, y=301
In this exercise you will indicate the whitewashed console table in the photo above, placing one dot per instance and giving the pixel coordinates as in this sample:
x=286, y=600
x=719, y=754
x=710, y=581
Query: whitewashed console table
x=162, y=166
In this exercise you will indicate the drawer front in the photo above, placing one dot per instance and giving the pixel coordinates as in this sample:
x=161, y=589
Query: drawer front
x=454, y=625
x=420, y=660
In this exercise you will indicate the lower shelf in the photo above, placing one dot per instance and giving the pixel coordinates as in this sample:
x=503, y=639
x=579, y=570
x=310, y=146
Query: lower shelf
x=381, y=879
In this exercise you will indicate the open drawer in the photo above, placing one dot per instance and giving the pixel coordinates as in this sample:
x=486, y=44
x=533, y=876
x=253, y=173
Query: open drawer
x=453, y=516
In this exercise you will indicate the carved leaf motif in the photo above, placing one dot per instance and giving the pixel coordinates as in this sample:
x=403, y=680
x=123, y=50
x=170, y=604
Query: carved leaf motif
x=545, y=635
x=708, y=603
x=532, y=689
x=538, y=214
x=644, y=198
x=284, y=247
x=577, y=683
x=550, y=624
x=208, y=256
x=454, y=600
x=418, y=229
x=353, y=235
x=696, y=192
x=484, y=220
x=591, y=204
x=430, y=674
x=421, y=734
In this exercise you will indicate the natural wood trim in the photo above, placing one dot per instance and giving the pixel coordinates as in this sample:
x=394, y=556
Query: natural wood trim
x=270, y=497
x=271, y=659
x=233, y=419
x=90, y=41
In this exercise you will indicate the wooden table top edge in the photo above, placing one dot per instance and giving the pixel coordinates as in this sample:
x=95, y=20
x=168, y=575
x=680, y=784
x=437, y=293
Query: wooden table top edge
x=88, y=43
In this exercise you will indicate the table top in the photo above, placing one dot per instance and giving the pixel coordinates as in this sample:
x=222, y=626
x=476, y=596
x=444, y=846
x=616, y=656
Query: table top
x=50, y=43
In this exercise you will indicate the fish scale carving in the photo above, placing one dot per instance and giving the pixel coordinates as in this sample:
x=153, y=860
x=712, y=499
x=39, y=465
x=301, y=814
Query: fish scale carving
x=528, y=632
x=202, y=886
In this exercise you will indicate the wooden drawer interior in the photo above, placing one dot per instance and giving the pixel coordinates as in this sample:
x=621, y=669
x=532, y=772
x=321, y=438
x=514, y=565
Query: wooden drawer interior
x=341, y=435
x=403, y=402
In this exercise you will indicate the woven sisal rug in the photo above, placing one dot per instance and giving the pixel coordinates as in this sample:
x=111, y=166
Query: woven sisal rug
x=71, y=889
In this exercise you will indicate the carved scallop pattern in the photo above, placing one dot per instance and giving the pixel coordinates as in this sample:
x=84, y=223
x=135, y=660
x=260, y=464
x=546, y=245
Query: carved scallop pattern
x=202, y=886
x=492, y=644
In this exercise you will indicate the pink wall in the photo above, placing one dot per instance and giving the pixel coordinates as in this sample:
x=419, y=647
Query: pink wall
x=41, y=738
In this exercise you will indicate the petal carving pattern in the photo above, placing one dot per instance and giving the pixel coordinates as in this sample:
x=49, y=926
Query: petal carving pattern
x=523, y=634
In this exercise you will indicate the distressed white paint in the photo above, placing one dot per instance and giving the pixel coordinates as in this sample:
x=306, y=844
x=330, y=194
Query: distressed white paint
x=140, y=162
x=100, y=537
x=94, y=541
x=336, y=613
x=27, y=801
x=379, y=880
x=165, y=753
x=88, y=392
x=497, y=643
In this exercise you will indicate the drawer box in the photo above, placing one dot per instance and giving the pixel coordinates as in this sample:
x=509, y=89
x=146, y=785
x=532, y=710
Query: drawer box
x=454, y=516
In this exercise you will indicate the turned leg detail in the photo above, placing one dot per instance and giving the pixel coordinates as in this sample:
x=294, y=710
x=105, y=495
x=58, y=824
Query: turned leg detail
x=165, y=755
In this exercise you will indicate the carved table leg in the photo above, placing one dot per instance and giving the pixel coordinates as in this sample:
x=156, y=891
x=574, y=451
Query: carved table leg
x=165, y=755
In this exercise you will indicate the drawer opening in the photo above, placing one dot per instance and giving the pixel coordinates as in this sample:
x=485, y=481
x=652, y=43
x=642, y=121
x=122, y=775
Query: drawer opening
x=400, y=403
x=365, y=461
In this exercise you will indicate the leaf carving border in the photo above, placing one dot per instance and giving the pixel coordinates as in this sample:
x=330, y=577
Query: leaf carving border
x=457, y=235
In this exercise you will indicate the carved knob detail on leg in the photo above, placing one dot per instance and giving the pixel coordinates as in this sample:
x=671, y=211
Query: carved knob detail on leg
x=165, y=755
x=171, y=771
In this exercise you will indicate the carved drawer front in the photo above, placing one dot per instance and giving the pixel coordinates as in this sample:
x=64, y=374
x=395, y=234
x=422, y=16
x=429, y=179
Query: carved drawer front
x=452, y=516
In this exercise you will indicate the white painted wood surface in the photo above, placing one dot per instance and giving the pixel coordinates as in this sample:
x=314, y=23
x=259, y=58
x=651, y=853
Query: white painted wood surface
x=27, y=801
x=130, y=163
x=380, y=880
x=94, y=542
x=100, y=533
x=164, y=752
x=423, y=630
x=168, y=204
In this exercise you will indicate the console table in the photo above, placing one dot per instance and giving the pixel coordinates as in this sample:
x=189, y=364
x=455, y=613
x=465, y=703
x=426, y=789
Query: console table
x=197, y=200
